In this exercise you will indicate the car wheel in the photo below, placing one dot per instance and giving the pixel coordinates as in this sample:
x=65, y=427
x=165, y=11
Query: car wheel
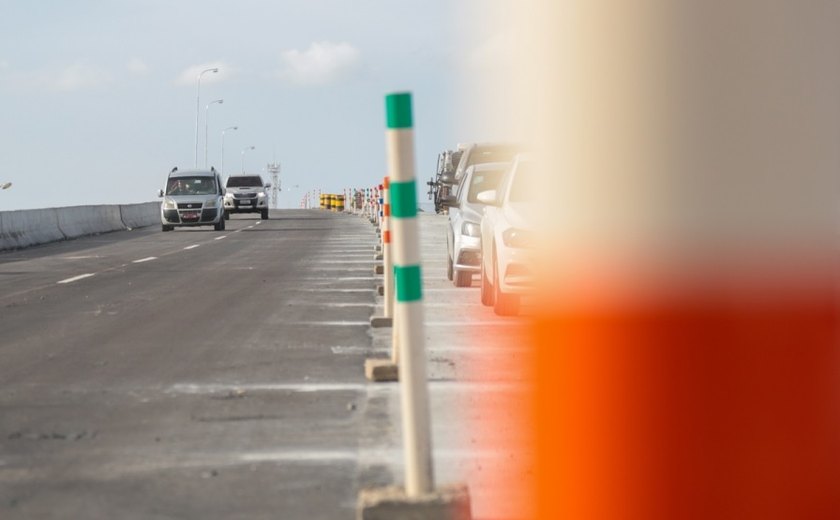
x=220, y=225
x=486, y=287
x=463, y=278
x=449, y=267
x=164, y=227
x=504, y=304
x=227, y=215
x=264, y=214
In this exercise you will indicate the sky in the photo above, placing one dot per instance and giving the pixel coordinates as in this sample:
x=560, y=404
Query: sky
x=99, y=96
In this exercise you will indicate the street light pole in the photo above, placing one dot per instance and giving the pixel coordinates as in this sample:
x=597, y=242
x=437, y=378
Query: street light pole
x=243, y=156
x=207, y=123
x=222, y=161
x=198, y=106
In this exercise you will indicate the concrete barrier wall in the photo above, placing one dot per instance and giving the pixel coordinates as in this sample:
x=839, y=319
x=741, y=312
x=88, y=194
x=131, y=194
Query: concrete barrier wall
x=140, y=215
x=24, y=228
x=29, y=227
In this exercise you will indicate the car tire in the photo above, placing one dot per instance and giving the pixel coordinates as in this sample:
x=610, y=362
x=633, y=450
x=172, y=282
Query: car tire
x=503, y=304
x=227, y=215
x=264, y=214
x=486, y=287
x=463, y=278
x=449, y=267
x=164, y=227
x=220, y=225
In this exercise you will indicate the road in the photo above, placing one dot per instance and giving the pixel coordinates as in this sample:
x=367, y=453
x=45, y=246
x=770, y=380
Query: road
x=204, y=374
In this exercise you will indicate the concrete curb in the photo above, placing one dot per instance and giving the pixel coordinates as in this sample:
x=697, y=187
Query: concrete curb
x=381, y=370
x=391, y=503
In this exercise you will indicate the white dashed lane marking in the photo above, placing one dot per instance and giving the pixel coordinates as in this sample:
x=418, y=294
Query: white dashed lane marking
x=191, y=247
x=221, y=237
x=147, y=259
x=76, y=278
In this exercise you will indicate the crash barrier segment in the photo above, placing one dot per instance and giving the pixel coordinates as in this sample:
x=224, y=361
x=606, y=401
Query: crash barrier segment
x=140, y=215
x=24, y=228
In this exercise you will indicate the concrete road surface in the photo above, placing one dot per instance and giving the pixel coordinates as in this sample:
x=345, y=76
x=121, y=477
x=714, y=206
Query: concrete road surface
x=204, y=374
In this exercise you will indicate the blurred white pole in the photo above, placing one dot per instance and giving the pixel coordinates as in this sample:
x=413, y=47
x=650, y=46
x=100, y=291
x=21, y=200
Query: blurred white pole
x=198, y=106
x=243, y=156
x=222, y=161
x=207, y=124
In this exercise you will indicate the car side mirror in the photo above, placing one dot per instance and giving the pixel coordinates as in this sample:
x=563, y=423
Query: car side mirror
x=488, y=197
x=451, y=201
x=160, y=193
x=268, y=185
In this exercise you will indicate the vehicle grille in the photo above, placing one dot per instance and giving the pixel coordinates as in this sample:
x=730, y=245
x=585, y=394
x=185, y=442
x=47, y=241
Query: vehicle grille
x=208, y=214
x=244, y=195
x=189, y=205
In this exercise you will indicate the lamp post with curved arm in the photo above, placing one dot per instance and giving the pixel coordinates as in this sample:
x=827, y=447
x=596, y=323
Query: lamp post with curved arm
x=222, y=161
x=243, y=156
x=198, y=105
x=207, y=123
x=5, y=185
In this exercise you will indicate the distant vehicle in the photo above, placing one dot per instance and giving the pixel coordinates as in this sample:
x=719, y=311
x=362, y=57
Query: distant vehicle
x=507, y=239
x=463, y=235
x=247, y=194
x=192, y=198
x=440, y=186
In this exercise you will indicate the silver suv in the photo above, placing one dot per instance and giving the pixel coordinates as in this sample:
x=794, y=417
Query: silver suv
x=247, y=194
x=192, y=198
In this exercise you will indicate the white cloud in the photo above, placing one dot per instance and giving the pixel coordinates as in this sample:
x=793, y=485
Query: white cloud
x=137, y=67
x=188, y=75
x=321, y=63
x=78, y=76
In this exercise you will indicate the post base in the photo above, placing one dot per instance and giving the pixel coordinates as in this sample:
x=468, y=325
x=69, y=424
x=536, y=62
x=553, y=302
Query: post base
x=391, y=503
x=379, y=269
x=378, y=322
x=381, y=370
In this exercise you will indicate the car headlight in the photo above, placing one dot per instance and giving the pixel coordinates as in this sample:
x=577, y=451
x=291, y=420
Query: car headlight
x=212, y=203
x=517, y=238
x=261, y=195
x=169, y=204
x=470, y=229
x=228, y=196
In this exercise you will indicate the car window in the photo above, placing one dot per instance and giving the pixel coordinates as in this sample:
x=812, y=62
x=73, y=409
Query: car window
x=484, y=180
x=244, y=181
x=191, y=186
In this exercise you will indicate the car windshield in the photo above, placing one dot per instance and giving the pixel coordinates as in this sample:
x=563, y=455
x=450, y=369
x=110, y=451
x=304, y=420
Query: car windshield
x=245, y=181
x=191, y=186
x=522, y=189
x=492, y=153
x=484, y=180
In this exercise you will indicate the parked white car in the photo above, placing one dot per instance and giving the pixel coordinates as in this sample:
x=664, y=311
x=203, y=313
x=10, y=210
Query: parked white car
x=507, y=239
x=463, y=235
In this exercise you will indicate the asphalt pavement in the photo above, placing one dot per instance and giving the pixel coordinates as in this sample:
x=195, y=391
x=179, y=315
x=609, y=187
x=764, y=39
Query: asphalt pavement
x=219, y=374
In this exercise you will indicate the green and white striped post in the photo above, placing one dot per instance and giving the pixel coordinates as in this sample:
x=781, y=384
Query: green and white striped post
x=408, y=308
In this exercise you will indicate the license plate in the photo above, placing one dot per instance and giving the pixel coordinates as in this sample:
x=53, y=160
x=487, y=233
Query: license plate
x=189, y=215
x=245, y=203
